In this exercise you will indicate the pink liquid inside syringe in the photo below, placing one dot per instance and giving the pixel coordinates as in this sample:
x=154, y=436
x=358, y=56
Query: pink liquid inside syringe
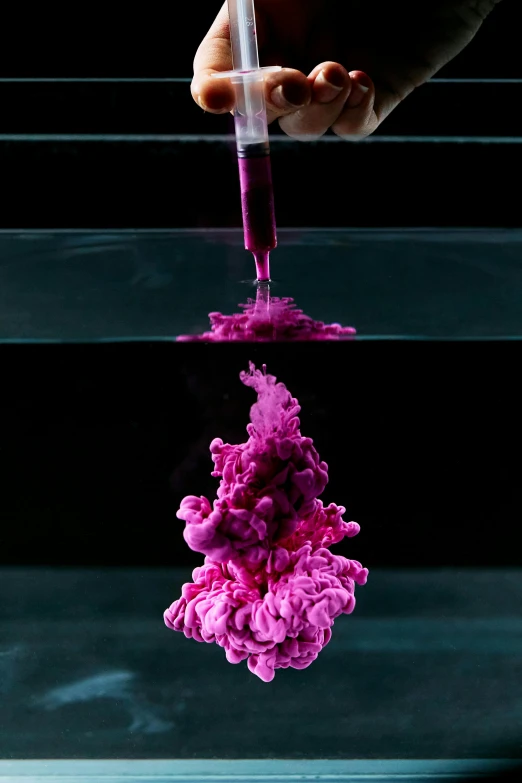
x=257, y=203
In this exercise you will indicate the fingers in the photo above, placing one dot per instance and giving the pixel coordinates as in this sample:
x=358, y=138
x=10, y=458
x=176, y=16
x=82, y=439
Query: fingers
x=214, y=54
x=331, y=98
x=358, y=117
x=286, y=92
x=330, y=86
x=306, y=107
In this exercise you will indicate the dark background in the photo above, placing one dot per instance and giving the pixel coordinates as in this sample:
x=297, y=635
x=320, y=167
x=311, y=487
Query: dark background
x=160, y=40
x=99, y=443
x=161, y=183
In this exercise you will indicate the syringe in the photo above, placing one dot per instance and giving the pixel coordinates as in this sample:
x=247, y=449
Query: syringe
x=253, y=151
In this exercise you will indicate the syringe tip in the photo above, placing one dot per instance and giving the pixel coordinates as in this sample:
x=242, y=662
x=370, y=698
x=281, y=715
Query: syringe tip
x=262, y=259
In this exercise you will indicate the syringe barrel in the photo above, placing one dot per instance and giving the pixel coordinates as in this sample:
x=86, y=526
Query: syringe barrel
x=255, y=173
x=257, y=203
x=250, y=112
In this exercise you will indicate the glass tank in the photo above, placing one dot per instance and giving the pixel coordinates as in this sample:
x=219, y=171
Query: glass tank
x=336, y=594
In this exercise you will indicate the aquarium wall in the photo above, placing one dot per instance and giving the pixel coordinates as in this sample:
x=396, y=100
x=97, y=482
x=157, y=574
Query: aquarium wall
x=336, y=594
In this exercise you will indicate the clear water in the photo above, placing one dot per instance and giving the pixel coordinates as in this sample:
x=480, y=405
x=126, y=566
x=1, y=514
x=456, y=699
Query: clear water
x=417, y=283
x=101, y=440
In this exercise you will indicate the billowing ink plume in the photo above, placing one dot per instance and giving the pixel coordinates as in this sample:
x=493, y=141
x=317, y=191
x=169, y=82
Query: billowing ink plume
x=266, y=319
x=270, y=589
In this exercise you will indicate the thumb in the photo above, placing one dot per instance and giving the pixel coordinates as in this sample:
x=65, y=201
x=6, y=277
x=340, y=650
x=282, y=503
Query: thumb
x=214, y=55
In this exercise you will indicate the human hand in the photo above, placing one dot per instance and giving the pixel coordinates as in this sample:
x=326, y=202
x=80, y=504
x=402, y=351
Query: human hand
x=398, y=46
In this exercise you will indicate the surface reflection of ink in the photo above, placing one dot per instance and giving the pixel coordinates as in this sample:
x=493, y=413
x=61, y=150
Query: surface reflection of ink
x=268, y=318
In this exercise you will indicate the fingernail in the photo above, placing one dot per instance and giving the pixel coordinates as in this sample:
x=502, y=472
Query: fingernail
x=357, y=94
x=289, y=96
x=325, y=90
x=199, y=101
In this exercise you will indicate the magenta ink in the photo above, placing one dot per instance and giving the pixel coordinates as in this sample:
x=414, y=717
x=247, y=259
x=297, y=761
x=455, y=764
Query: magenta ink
x=268, y=319
x=269, y=589
x=257, y=204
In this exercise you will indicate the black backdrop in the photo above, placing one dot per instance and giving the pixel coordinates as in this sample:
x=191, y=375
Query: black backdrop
x=160, y=39
x=154, y=184
x=98, y=444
